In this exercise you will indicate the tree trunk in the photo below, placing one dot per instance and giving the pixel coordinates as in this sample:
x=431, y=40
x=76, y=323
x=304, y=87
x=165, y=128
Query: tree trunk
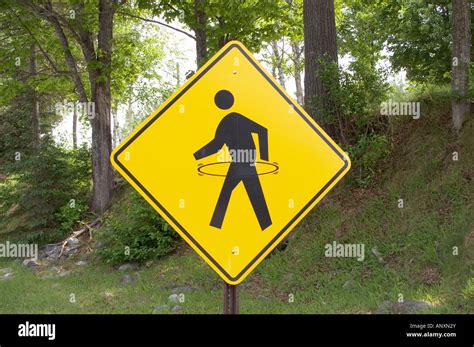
x=116, y=134
x=200, y=32
x=74, y=127
x=35, y=123
x=278, y=62
x=319, y=44
x=297, y=51
x=460, y=62
x=178, y=76
x=102, y=173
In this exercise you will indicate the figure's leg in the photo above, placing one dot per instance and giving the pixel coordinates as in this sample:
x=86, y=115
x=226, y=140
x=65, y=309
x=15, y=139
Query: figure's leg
x=221, y=207
x=255, y=193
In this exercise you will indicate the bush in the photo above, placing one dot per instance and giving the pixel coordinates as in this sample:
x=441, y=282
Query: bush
x=366, y=154
x=138, y=234
x=69, y=215
x=352, y=103
x=44, y=186
x=355, y=95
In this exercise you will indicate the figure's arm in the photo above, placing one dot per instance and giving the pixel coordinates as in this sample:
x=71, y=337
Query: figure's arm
x=262, y=138
x=212, y=147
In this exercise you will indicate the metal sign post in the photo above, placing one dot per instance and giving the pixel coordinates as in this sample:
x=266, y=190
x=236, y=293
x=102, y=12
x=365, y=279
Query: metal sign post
x=231, y=299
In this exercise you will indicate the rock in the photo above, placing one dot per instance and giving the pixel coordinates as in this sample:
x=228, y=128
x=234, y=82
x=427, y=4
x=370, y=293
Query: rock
x=180, y=290
x=170, y=285
x=177, y=309
x=64, y=273
x=128, y=266
x=160, y=309
x=279, y=248
x=282, y=245
x=54, y=269
x=6, y=277
x=50, y=248
x=410, y=306
x=173, y=298
x=50, y=251
x=6, y=270
x=149, y=263
x=109, y=295
x=68, y=251
x=72, y=242
x=81, y=263
x=385, y=307
x=348, y=284
x=127, y=279
x=30, y=263
x=45, y=276
x=378, y=255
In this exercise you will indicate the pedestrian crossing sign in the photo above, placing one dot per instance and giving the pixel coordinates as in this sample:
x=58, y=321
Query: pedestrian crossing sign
x=231, y=162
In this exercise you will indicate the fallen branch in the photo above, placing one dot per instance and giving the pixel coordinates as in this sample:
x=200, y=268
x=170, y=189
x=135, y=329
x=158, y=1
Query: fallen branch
x=77, y=233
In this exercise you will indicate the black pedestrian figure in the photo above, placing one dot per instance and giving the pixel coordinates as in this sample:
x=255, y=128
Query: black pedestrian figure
x=235, y=131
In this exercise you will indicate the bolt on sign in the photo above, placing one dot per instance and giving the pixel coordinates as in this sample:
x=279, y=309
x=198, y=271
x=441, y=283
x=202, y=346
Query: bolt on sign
x=231, y=161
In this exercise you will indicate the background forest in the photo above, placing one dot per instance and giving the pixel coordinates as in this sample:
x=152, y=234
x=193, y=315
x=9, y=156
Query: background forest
x=390, y=80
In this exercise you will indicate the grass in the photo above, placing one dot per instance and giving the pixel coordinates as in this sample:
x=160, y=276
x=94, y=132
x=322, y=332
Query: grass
x=417, y=243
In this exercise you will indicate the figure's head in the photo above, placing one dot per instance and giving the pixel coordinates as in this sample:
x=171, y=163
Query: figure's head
x=224, y=99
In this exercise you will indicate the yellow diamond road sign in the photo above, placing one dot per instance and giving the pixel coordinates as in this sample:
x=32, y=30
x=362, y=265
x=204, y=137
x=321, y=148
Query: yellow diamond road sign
x=231, y=161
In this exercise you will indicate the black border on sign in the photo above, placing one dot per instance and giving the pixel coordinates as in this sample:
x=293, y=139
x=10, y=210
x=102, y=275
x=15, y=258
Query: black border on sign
x=287, y=99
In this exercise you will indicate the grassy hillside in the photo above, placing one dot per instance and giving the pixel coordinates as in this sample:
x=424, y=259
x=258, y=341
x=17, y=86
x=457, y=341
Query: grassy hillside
x=413, y=254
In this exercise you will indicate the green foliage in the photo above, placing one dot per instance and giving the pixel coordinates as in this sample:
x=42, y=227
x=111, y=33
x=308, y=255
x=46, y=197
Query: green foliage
x=254, y=22
x=365, y=155
x=43, y=185
x=15, y=132
x=358, y=31
x=355, y=96
x=420, y=38
x=141, y=235
x=68, y=216
x=416, y=33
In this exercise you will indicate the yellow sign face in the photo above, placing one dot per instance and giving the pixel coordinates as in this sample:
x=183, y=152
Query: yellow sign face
x=231, y=161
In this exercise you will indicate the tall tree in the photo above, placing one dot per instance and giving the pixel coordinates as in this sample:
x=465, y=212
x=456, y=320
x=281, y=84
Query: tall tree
x=320, y=47
x=296, y=57
x=74, y=128
x=35, y=113
x=97, y=57
x=461, y=56
x=295, y=34
x=200, y=31
x=278, y=55
x=31, y=80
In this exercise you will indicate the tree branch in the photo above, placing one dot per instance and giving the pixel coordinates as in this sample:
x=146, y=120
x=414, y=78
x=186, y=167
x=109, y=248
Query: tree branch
x=45, y=54
x=47, y=14
x=156, y=22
